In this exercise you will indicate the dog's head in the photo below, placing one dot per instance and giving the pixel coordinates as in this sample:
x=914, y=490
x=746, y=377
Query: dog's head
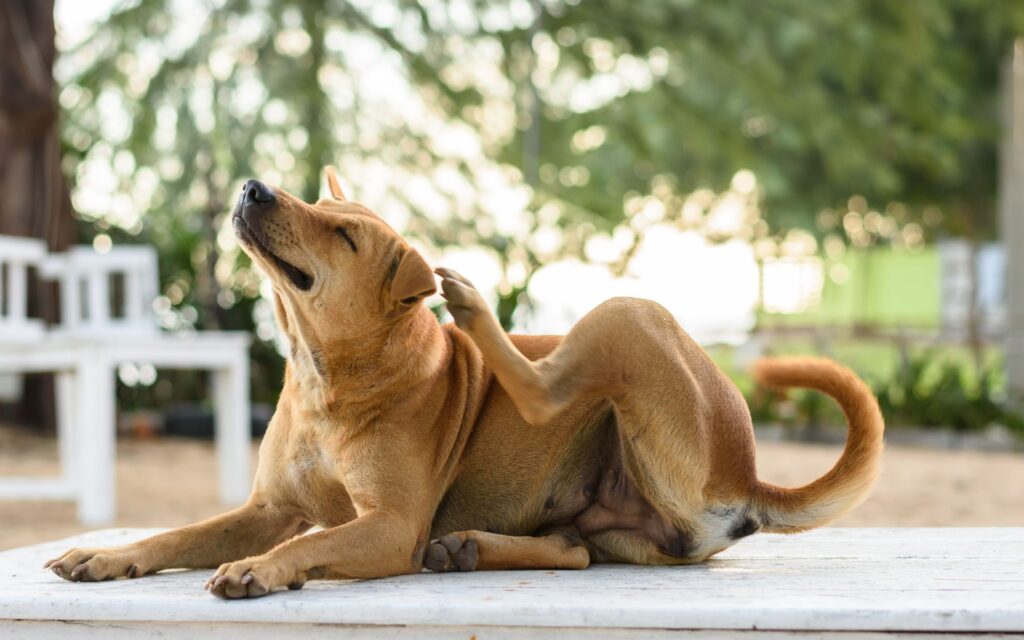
x=340, y=273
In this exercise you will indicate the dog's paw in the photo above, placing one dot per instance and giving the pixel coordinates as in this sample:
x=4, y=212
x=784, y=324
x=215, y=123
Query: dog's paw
x=252, y=578
x=464, y=302
x=93, y=565
x=453, y=552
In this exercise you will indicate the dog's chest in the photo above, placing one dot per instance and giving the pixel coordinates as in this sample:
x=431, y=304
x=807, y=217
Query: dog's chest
x=313, y=484
x=308, y=466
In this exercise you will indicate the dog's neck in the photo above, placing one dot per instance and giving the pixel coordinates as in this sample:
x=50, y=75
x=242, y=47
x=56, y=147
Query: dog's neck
x=352, y=379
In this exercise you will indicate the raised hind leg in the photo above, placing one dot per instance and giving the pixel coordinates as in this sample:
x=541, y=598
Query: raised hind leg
x=539, y=389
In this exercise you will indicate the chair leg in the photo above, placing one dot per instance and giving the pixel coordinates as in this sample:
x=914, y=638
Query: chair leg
x=65, y=398
x=95, y=441
x=231, y=406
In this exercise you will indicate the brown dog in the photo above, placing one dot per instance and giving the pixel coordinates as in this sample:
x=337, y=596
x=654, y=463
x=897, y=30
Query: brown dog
x=414, y=444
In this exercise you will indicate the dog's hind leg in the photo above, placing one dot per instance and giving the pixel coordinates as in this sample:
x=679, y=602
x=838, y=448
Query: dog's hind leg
x=472, y=550
x=539, y=389
x=625, y=349
x=685, y=431
x=529, y=384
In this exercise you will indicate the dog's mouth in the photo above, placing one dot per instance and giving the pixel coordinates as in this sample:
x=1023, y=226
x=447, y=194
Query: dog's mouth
x=250, y=236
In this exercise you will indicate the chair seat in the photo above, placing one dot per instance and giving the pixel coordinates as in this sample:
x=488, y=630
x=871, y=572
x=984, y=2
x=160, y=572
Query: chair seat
x=57, y=350
x=171, y=350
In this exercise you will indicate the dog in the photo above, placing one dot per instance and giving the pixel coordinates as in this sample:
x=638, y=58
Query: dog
x=458, y=447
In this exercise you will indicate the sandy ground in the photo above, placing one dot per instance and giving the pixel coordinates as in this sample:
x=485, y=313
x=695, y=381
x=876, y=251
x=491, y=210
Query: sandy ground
x=171, y=482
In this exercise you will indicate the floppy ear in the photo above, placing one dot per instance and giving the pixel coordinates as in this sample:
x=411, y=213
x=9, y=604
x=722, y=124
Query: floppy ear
x=332, y=184
x=414, y=279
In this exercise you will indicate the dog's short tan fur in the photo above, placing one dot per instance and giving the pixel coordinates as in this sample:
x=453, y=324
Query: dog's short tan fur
x=459, y=447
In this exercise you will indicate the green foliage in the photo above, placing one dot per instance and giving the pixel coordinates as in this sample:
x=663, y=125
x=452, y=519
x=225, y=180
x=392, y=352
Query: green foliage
x=889, y=100
x=589, y=102
x=930, y=388
x=932, y=391
x=180, y=117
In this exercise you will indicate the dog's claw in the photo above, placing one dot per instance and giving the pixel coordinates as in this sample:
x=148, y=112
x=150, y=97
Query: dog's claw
x=454, y=277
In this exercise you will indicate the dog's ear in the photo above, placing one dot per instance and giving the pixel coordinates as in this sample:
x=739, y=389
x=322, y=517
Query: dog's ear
x=414, y=280
x=332, y=184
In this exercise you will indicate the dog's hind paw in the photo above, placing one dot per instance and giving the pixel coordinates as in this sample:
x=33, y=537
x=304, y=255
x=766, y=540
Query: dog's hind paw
x=464, y=301
x=452, y=553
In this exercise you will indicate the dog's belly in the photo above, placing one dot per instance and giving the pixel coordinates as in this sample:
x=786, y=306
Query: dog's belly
x=517, y=479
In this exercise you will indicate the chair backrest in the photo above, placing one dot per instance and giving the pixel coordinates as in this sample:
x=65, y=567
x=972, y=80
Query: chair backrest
x=17, y=255
x=103, y=293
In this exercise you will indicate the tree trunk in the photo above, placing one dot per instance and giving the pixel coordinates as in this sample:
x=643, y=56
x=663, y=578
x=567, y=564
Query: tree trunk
x=34, y=198
x=1011, y=198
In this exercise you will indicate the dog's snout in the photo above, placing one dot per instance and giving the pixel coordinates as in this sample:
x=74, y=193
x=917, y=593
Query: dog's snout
x=254, y=191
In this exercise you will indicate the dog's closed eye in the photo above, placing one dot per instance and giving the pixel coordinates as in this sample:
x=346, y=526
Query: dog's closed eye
x=343, y=232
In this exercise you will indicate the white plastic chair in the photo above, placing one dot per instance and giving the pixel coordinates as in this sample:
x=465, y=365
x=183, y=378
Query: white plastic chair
x=16, y=256
x=86, y=279
x=22, y=351
x=86, y=348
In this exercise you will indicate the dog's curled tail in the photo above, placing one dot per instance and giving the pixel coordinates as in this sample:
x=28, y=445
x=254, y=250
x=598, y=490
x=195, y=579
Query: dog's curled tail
x=848, y=483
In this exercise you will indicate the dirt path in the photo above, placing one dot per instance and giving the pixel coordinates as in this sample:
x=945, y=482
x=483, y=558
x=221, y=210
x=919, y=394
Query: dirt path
x=169, y=482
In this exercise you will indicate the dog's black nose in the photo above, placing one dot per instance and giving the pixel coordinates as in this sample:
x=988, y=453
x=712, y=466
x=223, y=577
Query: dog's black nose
x=254, y=191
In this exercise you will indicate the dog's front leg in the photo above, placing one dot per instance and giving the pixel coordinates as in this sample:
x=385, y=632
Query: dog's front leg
x=251, y=528
x=377, y=544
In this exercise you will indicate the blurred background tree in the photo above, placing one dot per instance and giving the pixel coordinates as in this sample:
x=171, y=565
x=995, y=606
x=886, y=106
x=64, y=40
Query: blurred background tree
x=33, y=194
x=485, y=123
x=889, y=101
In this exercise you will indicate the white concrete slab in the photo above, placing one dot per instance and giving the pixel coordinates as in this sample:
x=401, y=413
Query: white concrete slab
x=832, y=580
